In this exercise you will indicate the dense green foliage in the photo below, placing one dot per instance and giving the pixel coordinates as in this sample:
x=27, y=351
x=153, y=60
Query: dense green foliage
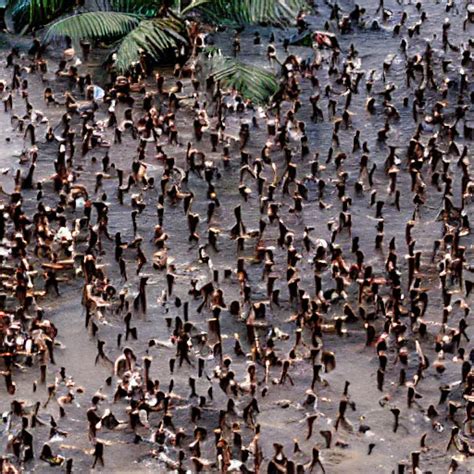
x=36, y=13
x=247, y=12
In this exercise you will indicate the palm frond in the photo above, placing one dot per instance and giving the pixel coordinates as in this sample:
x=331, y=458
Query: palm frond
x=148, y=8
x=34, y=13
x=253, y=83
x=247, y=12
x=94, y=25
x=144, y=7
x=43, y=11
x=152, y=37
x=20, y=12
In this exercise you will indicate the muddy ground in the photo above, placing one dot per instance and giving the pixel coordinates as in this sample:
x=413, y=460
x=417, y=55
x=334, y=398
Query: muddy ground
x=282, y=416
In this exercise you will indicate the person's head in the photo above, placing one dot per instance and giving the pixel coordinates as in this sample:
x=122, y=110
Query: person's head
x=46, y=451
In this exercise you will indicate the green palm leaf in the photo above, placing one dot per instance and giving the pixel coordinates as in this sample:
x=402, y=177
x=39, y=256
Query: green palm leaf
x=247, y=12
x=42, y=11
x=254, y=83
x=34, y=13
x=148, y=8
x=153, y=37
x=94, y=25
x=20, y=12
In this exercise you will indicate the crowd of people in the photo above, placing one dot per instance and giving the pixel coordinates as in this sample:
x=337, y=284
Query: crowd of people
x=278, y=282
